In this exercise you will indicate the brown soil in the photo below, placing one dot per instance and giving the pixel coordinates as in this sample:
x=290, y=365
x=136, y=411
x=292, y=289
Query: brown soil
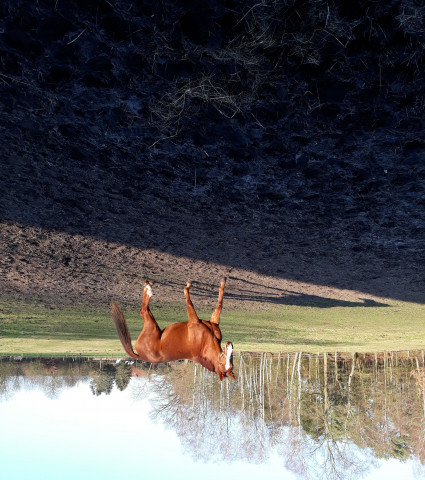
x=134, y=145
x=65, y=269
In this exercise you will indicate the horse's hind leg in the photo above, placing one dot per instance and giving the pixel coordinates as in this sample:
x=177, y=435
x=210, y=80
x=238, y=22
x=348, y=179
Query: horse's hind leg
x=215, y=318
x=147, y=294
x=145, y=312
x=148, y=343
x=191, y=314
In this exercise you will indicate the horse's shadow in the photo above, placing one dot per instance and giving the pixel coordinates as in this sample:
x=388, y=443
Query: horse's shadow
x=278, y=296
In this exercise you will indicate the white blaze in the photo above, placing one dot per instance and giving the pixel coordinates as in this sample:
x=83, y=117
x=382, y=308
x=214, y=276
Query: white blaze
x=229, y=351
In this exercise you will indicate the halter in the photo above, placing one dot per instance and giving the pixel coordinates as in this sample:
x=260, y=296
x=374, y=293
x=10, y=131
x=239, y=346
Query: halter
x=221, y=354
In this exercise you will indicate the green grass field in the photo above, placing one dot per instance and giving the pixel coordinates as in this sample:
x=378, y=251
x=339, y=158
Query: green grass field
x=34, y=328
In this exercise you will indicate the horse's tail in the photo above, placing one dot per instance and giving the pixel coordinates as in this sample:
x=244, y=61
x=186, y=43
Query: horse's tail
x=122, y=329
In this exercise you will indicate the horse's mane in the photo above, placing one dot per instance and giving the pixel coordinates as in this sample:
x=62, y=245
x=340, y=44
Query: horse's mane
x=208, y=364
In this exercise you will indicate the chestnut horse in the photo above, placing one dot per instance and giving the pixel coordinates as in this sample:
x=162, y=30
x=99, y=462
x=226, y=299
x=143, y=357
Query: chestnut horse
x=196, y=340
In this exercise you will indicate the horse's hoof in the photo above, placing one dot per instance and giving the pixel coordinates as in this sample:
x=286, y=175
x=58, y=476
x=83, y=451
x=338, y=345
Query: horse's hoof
x=223, y=281
x=188, y=285
x=148, y=288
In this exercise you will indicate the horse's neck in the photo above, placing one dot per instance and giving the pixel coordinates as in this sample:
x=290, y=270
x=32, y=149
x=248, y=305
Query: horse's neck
x=208, y=364
x=210, y=357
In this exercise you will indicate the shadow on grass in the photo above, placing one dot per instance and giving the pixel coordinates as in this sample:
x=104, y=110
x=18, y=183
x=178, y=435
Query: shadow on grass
x=278, y=296
x=305, y=300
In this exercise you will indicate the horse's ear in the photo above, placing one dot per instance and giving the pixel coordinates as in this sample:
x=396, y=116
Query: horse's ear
x=231, y=375
x=220, y=375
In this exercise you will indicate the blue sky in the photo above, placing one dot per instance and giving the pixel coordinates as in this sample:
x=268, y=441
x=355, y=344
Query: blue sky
x=81, y=436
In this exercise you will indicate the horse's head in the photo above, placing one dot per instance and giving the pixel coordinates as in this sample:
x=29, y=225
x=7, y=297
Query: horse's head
x=225, y=362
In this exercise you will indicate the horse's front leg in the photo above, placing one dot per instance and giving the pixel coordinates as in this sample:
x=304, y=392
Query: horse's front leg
x=215, y=317
x=191, y=314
